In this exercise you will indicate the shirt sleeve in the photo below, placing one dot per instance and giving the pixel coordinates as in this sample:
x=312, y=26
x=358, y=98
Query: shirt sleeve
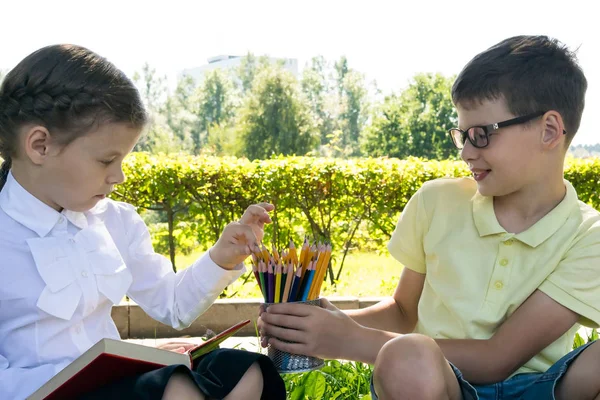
x=18, y=383
x=175, y=299
x=406, y=243
x=575, y=283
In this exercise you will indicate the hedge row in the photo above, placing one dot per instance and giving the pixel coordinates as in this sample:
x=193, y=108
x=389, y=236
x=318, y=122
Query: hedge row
x=351, y=203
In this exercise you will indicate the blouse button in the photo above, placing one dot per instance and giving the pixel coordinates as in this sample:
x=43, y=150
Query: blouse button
x=84, y=274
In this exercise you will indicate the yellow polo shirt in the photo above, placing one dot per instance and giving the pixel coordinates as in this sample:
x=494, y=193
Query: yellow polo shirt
x=477, y=274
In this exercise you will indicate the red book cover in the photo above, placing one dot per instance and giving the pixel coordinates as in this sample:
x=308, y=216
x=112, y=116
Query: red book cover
x=110, y=360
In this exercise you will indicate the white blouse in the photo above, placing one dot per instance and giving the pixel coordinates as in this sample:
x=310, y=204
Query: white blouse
x=61, y=273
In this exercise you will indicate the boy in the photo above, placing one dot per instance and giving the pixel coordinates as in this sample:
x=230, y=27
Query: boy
x=500, y=269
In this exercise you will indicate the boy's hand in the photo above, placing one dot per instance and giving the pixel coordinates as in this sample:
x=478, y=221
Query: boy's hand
x=318, y=331
x=240, y=239
x=256, y=216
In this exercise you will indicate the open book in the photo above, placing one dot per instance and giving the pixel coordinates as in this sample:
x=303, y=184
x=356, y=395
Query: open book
x=110, y=360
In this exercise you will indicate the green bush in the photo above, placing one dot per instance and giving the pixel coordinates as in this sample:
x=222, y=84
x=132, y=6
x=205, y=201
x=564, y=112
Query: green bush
x=354, y=204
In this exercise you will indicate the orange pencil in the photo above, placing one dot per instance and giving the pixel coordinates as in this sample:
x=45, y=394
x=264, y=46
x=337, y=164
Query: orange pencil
x=325, y=264
x=318, y=267
x=304, y=256
x=265, y=254
x=292, y=252
x=275, y=254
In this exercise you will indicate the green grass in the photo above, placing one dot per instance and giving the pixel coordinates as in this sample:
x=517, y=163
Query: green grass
x=363, y=275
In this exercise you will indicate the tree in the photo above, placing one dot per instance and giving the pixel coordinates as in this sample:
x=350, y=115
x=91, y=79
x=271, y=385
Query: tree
x=317, y=90
x=351, y=110
x=152, y=87
x=354, y=110
x=338, y=101
x=275, y=118
x=249, y=66
x=178, y=110
x=153, y=90
x=341, y=69
x=2, y=75
x=215, y=107
x=414, y=123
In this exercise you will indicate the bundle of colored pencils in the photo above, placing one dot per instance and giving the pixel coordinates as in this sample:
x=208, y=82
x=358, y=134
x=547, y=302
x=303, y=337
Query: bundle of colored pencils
x=284, y=277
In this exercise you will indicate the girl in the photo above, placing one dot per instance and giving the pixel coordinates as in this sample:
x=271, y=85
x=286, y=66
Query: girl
x=68, y=117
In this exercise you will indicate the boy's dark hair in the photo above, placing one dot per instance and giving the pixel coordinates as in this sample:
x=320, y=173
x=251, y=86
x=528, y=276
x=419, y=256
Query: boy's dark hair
x=532, y=73
x=69, y=90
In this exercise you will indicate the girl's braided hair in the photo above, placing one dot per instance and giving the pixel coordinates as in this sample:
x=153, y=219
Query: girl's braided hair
x=69, y=90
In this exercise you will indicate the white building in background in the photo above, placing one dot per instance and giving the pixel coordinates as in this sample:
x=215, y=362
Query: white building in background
x=229, y=62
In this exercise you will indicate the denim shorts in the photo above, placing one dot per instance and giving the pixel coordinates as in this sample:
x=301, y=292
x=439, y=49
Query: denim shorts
x=528, y=386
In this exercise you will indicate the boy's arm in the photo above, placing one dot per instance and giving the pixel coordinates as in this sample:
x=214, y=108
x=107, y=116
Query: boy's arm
x=397, y=314
x=537, y=323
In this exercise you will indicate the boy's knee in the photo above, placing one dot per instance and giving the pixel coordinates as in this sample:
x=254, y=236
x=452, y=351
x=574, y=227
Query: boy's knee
x=409, y=364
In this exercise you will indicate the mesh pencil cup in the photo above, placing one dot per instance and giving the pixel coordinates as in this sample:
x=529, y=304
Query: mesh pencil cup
x=292, y=363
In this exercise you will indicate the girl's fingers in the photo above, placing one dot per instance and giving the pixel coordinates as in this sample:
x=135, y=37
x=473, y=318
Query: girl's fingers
x=267, y=206
x=256, y=213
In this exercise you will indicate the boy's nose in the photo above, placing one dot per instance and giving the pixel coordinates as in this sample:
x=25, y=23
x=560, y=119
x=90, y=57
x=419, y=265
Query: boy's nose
x=469, y=152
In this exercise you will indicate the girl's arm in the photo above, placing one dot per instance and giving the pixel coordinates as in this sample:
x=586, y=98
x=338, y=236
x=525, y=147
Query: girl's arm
x=175, y=299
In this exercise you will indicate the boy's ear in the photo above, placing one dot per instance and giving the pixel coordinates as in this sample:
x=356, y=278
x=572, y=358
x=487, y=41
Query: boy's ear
x=553, y=134
x=37, y=144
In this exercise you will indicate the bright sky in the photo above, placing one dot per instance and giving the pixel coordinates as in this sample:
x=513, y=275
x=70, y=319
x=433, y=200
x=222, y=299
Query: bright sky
x=389, y=41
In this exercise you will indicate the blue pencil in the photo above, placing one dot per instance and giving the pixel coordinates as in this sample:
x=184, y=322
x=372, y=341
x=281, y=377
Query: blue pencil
x=309, y=279
x=304, y=280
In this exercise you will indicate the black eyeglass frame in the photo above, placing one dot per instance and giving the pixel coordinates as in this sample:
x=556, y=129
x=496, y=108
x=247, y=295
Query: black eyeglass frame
x=487, y=129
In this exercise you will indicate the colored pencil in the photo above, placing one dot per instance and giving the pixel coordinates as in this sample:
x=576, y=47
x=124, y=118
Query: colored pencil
x=261, y=274
x=288, y=282
x=310, y=274
x=270, y=283
x=277, y=296
x=295, y=284
x=284, y=277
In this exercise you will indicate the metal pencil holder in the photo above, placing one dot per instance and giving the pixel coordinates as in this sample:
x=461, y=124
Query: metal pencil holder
x=294, y=363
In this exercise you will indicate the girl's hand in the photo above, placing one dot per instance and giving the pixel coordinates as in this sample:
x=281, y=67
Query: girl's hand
x=256, y=216
x=240, y=239
x=177, y=347
x=324, y=332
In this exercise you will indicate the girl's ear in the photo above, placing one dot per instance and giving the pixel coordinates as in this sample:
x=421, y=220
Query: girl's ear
x=36, y=143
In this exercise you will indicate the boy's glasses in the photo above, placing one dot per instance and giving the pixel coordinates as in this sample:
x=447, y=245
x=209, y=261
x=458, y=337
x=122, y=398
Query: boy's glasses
x=479, y=136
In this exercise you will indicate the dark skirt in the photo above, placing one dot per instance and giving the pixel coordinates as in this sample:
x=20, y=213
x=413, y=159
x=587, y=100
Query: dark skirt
x=216, y=374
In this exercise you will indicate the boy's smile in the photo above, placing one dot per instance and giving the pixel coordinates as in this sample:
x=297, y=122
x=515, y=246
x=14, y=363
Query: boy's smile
x=510, y=160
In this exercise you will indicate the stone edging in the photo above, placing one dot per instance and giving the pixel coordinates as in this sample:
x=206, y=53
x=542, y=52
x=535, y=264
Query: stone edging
x=132, y=322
